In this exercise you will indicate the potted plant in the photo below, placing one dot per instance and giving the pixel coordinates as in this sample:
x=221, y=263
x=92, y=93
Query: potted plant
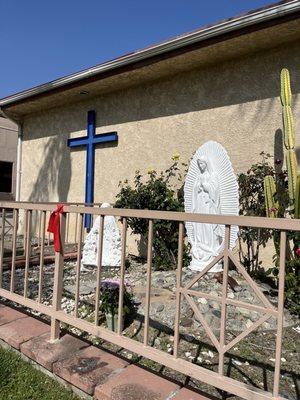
x=109, y=296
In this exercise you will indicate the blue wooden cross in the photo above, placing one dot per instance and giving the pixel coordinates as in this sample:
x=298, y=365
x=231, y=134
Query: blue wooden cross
x=90, y=141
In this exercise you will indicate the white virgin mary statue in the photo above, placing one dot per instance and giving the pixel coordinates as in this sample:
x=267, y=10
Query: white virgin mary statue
x=210, y=188
x=208, y=238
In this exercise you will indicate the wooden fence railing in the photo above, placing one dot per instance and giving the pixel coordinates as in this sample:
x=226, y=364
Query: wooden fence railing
x=183, y=291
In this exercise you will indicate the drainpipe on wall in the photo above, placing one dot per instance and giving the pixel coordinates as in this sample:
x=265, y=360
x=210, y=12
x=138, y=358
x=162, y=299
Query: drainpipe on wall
x=19, y=154
x=19, y=162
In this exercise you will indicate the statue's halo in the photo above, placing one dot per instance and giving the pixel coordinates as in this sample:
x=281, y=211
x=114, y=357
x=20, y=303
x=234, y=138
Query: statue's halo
x=222, y=168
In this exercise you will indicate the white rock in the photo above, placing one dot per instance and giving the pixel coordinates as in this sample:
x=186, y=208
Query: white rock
x=210, y=354
x=237, y=362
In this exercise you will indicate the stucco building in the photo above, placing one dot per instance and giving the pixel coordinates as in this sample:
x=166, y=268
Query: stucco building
x=220, y=82
x=8, y=159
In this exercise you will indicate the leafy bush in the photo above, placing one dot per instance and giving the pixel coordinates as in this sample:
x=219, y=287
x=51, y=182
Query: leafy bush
x=252, y=203
x=292, y=284
x=157, y=191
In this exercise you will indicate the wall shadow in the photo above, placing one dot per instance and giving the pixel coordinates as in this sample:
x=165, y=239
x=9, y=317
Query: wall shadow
x=55, y=168
x=54, y=174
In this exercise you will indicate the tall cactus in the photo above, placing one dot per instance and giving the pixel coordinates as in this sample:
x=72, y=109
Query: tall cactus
x=271, y=198
x=290, y=156
x=285, y=87
x=291, y=165
x=289, y=135
x=288, y=127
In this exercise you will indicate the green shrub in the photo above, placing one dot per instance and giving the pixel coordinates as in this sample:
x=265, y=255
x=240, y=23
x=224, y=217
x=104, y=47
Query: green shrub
x=157, y=191
x=292, y=284
x=252, y=203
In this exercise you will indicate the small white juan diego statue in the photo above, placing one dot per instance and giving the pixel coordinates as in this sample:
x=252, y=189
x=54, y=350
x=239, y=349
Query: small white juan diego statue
x=210, y=188
x=111, y=251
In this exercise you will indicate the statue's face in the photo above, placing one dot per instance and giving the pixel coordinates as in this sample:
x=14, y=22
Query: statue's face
x=201, y=165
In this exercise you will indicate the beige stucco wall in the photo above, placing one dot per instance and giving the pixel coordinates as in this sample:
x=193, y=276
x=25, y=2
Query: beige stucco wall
x=235, y=103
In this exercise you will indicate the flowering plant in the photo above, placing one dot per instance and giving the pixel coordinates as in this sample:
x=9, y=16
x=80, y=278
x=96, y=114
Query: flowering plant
x=109, y=296
x=252, y=203
x=158, y=190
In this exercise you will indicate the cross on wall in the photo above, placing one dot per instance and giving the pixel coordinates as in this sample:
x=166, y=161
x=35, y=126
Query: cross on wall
x=90, y=141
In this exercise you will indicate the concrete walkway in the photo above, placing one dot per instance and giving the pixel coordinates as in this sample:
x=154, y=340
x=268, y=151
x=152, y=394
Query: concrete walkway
x=94, y=371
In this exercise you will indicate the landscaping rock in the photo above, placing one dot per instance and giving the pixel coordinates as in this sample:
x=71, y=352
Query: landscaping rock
x=162, y=302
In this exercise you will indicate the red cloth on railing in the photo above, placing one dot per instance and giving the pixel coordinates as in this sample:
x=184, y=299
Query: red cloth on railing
x=54, y=226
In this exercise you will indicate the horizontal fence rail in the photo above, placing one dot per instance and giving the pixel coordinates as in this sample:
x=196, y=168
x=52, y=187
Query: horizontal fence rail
x=254, y=222
x=37, y=213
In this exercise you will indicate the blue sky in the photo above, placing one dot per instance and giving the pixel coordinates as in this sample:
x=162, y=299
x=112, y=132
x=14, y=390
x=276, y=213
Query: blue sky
x=42, y=40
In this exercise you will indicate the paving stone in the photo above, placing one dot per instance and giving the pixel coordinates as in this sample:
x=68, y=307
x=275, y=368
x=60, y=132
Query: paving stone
x=21, y=330
x=186, y=394
x=89, y=367
x=135, y=383
x=8, y=314
x=45, y=353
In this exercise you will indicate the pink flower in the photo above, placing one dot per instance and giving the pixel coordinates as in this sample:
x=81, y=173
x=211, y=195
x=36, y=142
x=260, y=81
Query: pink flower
x=273, y=209
x=297, y=252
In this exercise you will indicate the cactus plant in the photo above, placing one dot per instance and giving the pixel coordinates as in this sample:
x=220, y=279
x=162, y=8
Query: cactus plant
x=272, y=201
x=270, y=197
x=288, y=202
x=287, y=116
x=288, y=127
x=285, y=94
x=291, y=165
x=289, y=134
x=290, y=155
